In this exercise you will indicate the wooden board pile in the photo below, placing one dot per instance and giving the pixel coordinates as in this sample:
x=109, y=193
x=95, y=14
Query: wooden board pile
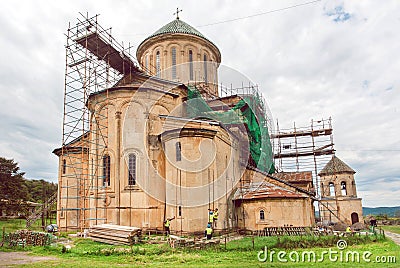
x=115, y=234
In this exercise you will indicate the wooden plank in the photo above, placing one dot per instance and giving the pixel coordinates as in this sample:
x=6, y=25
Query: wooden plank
x=125, y=240
x=116, y=227
x=95, y=233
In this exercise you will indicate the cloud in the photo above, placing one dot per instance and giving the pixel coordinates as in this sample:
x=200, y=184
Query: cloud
x=332, y=58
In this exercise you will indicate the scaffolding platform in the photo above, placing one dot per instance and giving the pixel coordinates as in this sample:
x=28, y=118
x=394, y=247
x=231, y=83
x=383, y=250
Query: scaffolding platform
x=105, y=51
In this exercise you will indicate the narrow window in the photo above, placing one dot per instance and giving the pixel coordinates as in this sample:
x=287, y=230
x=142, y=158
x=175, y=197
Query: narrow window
x=178, y=151
x=179, y=211
x=146, y=63
x=205, y=69
x=64, y=166
x=173, y=63
x=343, y=188
x=158, y=67
x=106, y=170
x=322, y=189
x=331, y=189
x=132, y=169
x=190, y=65
x=262, y=215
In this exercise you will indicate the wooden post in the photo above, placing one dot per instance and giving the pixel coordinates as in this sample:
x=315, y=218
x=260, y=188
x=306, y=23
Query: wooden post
x=43, y=206
x=4, y=234
x=252, y=240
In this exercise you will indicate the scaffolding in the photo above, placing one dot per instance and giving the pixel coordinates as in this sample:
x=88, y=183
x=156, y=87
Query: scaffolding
x=305, y=149
x=95, y=61
x=246, y=107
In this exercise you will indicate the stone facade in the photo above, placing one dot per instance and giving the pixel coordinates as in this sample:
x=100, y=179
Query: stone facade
x=144, y=160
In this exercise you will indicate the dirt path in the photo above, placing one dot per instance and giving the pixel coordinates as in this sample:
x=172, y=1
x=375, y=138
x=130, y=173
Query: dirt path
x=395, y=237
x=9, y=259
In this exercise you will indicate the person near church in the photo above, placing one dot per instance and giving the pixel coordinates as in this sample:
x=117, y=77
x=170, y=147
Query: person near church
x=167, y=224
x=210, y=216
x=208, y=232
x=215, y=217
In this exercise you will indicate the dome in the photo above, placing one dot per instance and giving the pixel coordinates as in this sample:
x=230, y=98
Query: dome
x=179, y=52
x=177, y=26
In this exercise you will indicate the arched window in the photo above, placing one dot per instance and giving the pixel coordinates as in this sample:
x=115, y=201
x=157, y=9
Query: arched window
x=132, y=169
x=205, y=69
x=343, y=188
x=106, y=170
x=173, y=54
x=178, y=150
x=190, y=65
x=158, y=66
x=64, y=166
x=331, y=189
x=262, y=215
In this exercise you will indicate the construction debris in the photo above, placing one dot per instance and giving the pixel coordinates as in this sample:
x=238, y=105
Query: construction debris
x=278, y=231
x=27, y=238
x=176, y=241
x=115, y=234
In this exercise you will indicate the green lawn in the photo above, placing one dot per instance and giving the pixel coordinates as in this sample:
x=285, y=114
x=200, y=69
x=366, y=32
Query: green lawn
x=239, y=253
x=12, y=225
x=392, y=228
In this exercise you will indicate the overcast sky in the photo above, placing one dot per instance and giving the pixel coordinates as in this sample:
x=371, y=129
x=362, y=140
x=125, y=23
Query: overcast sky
x=329, y=58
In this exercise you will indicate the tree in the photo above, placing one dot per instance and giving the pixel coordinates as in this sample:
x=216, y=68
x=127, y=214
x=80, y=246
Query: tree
x=13, y=191
x=12, y=186
x=40, y=190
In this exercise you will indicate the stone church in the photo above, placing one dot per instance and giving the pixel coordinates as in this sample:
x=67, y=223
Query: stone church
x=163, y=143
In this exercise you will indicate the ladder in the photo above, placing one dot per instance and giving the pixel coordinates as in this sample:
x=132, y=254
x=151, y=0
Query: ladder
x=39, y=210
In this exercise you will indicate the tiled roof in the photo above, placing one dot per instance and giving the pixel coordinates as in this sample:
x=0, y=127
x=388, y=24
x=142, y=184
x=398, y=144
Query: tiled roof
x=334, y=166
x=303, y=176
x=264, y=189
x=177, y=26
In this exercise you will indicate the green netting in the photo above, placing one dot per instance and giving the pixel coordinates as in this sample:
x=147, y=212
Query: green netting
x=242, y=113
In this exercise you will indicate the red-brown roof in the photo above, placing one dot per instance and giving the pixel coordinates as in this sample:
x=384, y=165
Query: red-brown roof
x=264, y=189
x=293, y=177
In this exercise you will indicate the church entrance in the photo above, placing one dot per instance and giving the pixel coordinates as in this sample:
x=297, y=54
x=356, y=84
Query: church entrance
x=354, y=218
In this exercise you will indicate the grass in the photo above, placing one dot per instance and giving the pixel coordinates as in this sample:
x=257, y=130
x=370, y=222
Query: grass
x=12, y=225
x=238, y=253
x=392, y=228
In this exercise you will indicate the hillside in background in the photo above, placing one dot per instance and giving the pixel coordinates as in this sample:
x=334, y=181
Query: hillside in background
x=389, y=211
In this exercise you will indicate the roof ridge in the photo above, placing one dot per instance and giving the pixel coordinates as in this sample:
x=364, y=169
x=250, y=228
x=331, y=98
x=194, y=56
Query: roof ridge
x=334, y=166
x=177, y=26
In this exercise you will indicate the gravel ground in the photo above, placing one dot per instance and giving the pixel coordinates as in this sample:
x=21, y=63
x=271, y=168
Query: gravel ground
x=9, y=259
x=395, y=237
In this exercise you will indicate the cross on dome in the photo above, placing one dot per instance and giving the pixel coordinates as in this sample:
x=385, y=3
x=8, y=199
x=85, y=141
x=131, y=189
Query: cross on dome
x=177, y=13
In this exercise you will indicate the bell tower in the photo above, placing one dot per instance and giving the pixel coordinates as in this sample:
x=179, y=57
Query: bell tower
x=339, y=201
